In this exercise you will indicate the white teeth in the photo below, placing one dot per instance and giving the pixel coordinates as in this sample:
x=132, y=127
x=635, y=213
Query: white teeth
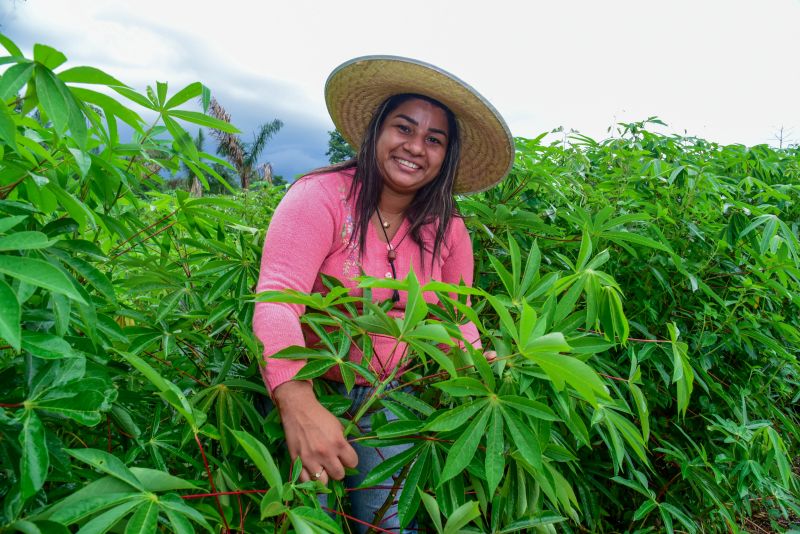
x=406, y=163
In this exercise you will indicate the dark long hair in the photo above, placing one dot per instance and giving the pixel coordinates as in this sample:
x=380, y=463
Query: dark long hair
x=432, y=204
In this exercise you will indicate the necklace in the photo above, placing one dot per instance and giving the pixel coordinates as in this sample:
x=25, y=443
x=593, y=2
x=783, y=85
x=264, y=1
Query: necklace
x=385, y=223
x=391, y=253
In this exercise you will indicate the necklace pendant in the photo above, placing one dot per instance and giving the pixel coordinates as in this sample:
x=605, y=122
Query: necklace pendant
x=386, y=224
x=391, y=254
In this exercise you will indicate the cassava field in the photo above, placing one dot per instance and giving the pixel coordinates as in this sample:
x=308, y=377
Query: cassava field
x=642, y=293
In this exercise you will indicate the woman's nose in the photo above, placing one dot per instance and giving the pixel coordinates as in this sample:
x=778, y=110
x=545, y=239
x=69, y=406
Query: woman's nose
x=415, y=145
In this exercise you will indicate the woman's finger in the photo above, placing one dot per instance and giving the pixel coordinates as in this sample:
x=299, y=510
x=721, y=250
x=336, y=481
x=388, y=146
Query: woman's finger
x=348, y=456
x=320, y=475
x=304, y=476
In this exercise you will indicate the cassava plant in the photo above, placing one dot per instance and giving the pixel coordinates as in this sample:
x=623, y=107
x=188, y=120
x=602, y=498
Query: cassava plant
x=641, y=293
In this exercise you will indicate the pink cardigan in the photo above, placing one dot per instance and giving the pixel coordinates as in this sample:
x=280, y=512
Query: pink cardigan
x=310, y=234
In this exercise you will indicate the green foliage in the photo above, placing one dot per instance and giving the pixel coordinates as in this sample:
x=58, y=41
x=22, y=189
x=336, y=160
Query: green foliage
x=640, y=292
x=339, y=150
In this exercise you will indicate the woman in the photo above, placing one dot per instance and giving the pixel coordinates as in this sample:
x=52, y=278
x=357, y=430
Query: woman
x=422, y=136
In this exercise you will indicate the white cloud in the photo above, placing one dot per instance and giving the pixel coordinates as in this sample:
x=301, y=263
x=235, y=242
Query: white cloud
x=722, y=69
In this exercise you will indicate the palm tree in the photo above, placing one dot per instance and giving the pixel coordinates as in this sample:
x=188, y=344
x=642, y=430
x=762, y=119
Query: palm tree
x=242, y=155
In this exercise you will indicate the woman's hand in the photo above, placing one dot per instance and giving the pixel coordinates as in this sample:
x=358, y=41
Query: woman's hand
x=313, y=433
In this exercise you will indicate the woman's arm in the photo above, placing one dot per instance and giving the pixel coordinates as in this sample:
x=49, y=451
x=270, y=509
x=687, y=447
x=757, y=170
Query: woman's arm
x=300, y=237
x=298, y=240
x=460, y=264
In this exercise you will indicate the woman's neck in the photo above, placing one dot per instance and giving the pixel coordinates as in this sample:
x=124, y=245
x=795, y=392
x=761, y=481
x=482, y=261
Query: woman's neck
x=392, y=204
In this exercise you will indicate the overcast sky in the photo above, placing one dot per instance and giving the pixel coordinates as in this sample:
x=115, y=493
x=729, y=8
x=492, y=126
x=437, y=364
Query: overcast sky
x=726, y=70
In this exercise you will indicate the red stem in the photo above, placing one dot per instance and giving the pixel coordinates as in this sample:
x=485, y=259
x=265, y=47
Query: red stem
x=204, y=495
x=351, y=518
x=12, y=405
x=211, y=483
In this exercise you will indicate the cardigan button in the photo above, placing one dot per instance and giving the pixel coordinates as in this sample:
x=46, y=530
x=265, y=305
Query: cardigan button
x=388, y=275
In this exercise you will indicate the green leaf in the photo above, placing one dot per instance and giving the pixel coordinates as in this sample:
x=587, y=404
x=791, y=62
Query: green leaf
x=35, y=459
x=529, y=407
x=193, y=90
x=14, y=79
x=8, y=128
x=144, y=520
x=433, y=509
x=495, y=451
x=7, y=223
x=261, y=456
x=39, y=273
x=538, y=519
x=463, y=387
x=524, y=439
x=643, y=510
x=408, y=503
x=132, y=95
x=10, y=316
x=462, y=451
x=90, y=75
x=46, y=346
x=416, y=307
x=204, y=120
x=105, y=521
x=92, y=275
x=389, y=467
x=552, y=342
x=48, y=56
x=400, y=428
x=24, y=241
x=109, y=106
x=621, y=237
x=106, y=463
x=461, y=516
x=9, y=45
x=581, y=377
x=82, y=508
x=52, y=100
x=451, y=419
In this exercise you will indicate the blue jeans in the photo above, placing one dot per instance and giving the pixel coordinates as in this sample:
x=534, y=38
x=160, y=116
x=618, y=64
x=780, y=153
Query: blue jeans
x=365, y=502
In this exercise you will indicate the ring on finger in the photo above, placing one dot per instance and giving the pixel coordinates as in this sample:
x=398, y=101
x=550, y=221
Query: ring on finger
x=318, y=473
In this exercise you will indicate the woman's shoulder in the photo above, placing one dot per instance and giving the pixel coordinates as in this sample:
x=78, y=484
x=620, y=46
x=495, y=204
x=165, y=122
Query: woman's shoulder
x=326, y=180
x=326, y=187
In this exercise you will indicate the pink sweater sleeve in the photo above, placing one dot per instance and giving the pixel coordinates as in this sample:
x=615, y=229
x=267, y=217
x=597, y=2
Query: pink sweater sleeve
x=460, y=264
x=298, y=239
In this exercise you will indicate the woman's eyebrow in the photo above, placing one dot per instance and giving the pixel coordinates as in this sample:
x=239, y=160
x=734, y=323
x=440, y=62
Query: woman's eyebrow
x=415, y=123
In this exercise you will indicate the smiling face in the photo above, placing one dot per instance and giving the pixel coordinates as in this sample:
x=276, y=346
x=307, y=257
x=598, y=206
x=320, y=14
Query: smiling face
x=411, y=146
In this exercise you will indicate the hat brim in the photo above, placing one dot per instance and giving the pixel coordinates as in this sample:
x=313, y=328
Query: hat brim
x=355, y=89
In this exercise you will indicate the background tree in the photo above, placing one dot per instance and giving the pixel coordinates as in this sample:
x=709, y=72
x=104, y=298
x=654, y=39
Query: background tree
x=242, y=155
x=338, y=149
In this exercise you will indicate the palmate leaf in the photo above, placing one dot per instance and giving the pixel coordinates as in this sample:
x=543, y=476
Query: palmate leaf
x=409, y=500
x=390, y=466
x=260, y=456
x=107, y=463
x=452, y=419
x=144, y=520
x=462, y=451
x=523, y=438
x=35, y=459
x=562, y=369
x=103, y=522
x=495, y=451
x=39, y=273
x=15, y=78
x=10, y=316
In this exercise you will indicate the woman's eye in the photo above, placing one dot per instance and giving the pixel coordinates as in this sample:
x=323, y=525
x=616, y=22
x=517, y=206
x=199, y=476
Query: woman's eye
x=435, y=140
x=403, y=128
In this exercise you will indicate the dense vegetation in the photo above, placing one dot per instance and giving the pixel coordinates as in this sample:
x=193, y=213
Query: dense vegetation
x=641, y=292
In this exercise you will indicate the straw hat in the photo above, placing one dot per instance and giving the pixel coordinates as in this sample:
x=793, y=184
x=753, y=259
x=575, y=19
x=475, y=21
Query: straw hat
x=355, y=89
